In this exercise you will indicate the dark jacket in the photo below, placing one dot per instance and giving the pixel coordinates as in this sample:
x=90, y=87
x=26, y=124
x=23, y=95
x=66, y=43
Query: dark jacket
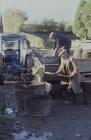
x=62, y=41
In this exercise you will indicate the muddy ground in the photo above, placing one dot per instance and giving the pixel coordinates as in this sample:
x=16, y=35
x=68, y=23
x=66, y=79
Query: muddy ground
x=65, y=121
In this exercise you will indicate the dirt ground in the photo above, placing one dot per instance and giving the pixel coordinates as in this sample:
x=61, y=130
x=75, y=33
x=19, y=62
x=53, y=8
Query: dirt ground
x=65, y=121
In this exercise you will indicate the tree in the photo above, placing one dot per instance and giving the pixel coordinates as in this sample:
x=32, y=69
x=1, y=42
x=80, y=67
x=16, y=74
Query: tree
x=32, y=27
x=61, y=26
x=79, y=27
x=68, y=28
x=46, y=26
x=14, y=20
x=86, y=17
x=49, y=25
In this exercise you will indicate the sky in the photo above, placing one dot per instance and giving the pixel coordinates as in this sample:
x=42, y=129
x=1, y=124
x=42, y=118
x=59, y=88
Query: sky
x=39, y=10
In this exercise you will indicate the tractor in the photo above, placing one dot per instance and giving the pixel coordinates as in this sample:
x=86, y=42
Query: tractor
x=15, y=50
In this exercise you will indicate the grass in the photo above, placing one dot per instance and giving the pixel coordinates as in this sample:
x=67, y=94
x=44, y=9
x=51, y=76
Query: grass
x=39, y=41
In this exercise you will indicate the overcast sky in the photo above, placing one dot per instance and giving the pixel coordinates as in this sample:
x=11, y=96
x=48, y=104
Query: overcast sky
x=39, y=10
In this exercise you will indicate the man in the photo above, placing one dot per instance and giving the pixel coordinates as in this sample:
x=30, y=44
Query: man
x=69, y=68
x=59, y=42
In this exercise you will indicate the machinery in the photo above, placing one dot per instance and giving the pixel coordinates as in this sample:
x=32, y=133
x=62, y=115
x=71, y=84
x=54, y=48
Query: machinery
x=15, y=51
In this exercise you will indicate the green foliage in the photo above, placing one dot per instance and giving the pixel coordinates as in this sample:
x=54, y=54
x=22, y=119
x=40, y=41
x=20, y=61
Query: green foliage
x=82, y=22
x=87, y=17
x=39, y=40
x=68, y=28
x=87, y=14
x=79, y=27
x=14, y=20
x=61, y=26
x=35, y=40
x=32, y=27
x=47, y=25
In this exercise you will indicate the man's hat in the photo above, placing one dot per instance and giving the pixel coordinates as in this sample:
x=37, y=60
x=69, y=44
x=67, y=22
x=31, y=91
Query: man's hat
x=52, y=35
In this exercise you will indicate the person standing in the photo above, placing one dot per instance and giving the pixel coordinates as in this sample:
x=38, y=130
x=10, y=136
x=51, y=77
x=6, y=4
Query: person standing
x=59, y=42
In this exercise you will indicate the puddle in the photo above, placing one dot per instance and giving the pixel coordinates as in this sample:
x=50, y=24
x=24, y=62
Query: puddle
x=26, y=136
x=10, y=112
x=20, y=136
